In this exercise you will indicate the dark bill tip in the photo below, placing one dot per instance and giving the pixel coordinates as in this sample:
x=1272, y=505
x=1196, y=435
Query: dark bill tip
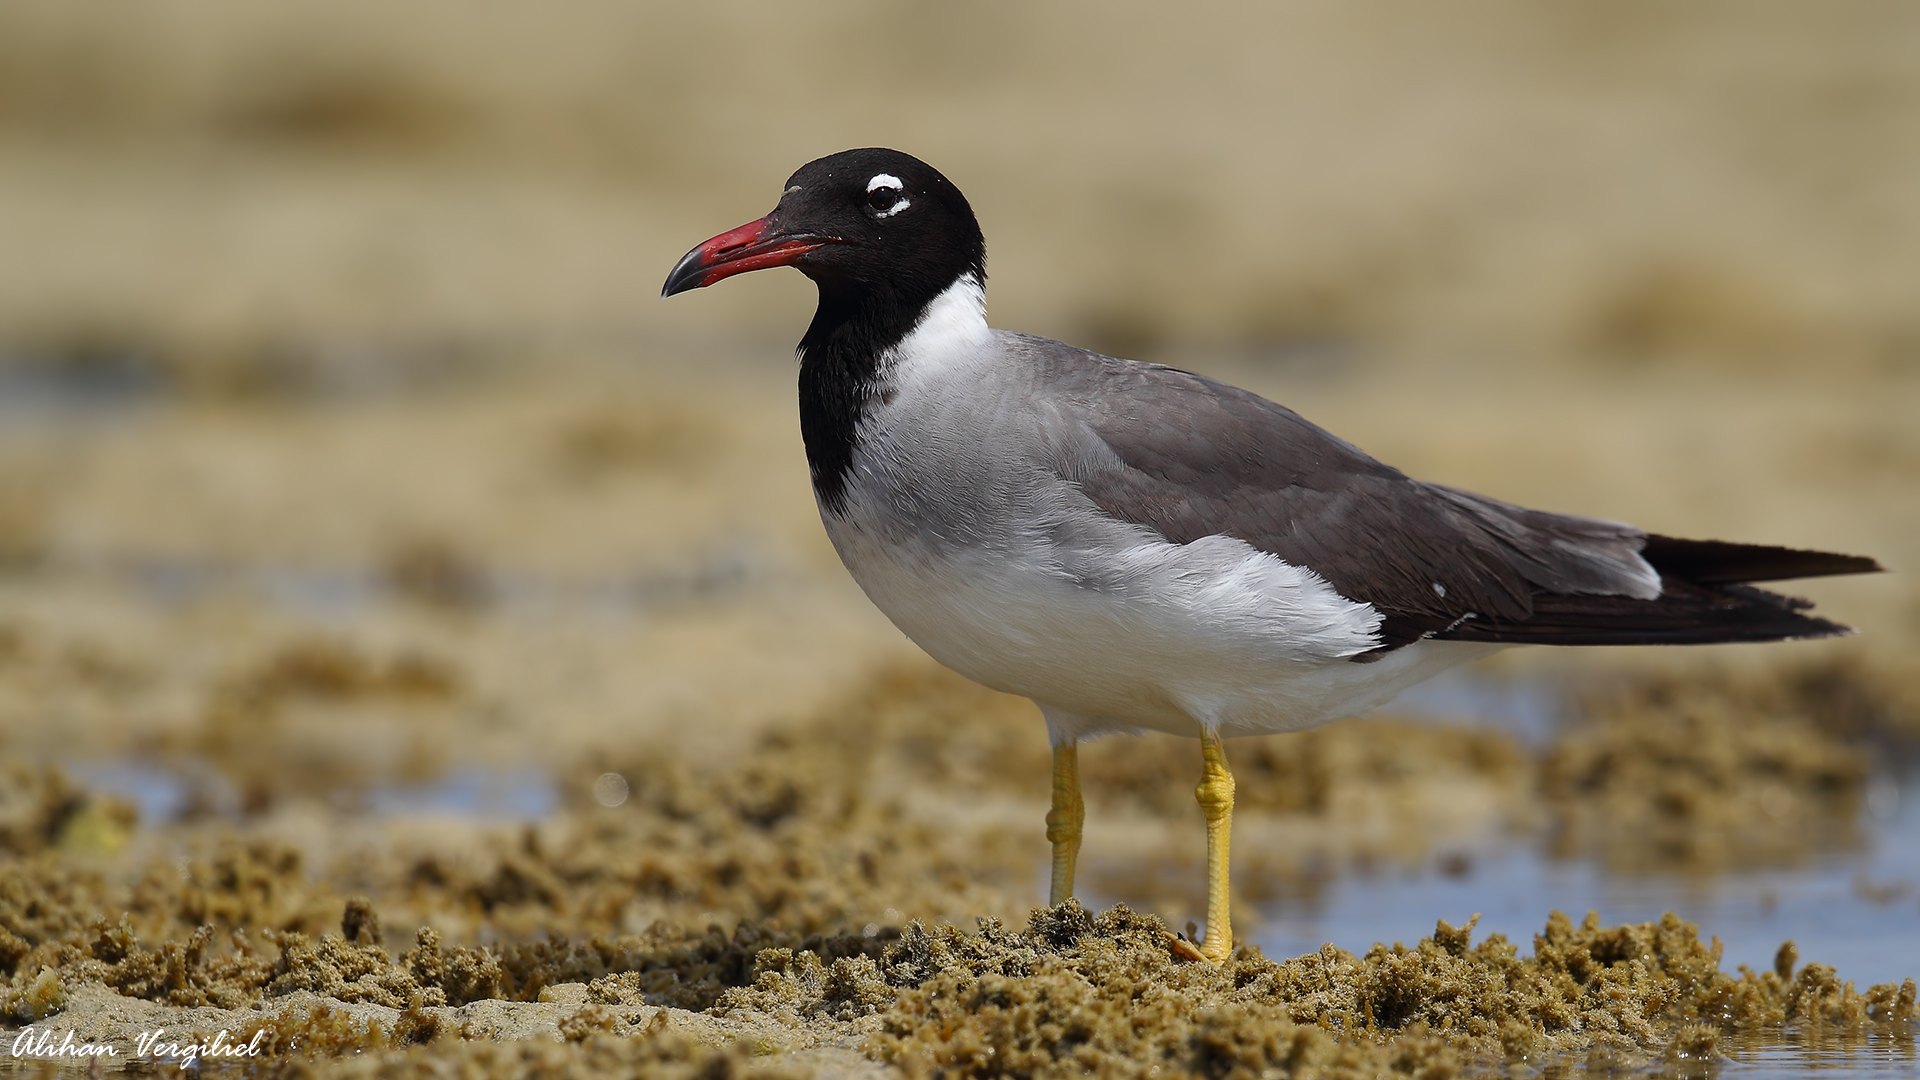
x=685, y=274
x=756, y=245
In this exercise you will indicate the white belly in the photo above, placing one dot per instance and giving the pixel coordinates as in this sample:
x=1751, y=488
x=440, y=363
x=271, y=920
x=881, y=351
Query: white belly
x=1138, y=634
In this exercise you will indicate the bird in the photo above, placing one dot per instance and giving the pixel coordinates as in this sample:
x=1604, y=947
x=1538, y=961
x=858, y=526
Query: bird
x=1139, y=548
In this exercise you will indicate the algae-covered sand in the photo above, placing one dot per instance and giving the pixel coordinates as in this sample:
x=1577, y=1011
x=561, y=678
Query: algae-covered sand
x=417, y=641
x=799, y=905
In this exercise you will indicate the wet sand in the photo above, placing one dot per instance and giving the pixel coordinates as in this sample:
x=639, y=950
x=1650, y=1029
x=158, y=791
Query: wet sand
x=311, y=739
x=367, y=529
x=796, y=901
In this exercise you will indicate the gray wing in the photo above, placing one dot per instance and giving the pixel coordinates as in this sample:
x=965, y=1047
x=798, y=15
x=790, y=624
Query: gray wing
x=1191, y=457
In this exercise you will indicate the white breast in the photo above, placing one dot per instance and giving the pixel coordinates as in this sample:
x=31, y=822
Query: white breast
x=960, y=529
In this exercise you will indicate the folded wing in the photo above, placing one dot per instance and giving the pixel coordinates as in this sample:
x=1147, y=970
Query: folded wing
x=1189, y=457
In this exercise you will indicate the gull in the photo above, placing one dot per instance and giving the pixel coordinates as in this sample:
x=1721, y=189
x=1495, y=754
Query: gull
x=1138, y=548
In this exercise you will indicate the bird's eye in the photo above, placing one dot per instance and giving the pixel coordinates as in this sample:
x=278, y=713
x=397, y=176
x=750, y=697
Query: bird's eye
x=886, y=195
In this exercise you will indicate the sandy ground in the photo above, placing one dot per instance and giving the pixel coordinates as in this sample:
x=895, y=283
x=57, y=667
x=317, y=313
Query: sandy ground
x=774, y=904
x=344, y=452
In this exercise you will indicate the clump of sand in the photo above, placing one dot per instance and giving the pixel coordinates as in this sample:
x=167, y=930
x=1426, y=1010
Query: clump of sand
x=1709, y=772
x=41, y=808
x=1073, y=994
x=658, y=1050
x=1084, y=994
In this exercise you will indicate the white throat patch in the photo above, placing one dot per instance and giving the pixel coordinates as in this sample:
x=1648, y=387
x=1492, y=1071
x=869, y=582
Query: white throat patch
x=954, y=320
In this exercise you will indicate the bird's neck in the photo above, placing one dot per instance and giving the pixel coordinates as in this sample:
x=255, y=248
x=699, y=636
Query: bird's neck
x=845, y=359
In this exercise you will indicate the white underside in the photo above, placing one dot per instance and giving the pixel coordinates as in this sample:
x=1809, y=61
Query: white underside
x=960, y=527
x=1190, y=650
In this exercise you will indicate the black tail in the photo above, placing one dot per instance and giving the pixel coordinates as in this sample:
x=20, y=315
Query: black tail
x=1716, y=562
x=1704, y=599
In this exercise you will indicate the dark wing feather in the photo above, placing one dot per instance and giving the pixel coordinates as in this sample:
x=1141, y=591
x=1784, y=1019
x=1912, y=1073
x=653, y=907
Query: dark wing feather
x=1716, y=562
x=1685, y=614
x=1191, y=457
x=1704, y=599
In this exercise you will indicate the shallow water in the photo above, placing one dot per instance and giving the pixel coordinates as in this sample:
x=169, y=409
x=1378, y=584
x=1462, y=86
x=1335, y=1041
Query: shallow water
x=471, y=793
x=1530, y=709
x=1856, y=910
x=340, y=595
x=101, y=384
x=1774, y=1054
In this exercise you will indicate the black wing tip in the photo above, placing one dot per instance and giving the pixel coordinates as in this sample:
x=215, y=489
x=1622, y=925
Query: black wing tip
x=1807, y=629
x=1827, y=630
x=1686, y=613
x=1722, y=562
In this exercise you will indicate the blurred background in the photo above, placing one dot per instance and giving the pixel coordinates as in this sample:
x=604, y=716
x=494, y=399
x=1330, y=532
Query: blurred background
x=352, y=471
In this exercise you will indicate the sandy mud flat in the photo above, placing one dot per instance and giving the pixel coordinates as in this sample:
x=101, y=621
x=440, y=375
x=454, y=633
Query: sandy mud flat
x=420, y=655
x=851, y=892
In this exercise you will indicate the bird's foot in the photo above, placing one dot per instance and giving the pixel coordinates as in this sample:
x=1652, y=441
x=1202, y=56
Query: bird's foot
x=1215, y=794
x=1065, y=820
x=1182, y=949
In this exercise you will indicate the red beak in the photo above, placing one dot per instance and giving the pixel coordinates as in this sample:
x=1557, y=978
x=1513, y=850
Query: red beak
x=753, y=246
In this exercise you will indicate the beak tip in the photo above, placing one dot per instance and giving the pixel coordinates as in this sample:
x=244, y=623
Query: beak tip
x=686, y=274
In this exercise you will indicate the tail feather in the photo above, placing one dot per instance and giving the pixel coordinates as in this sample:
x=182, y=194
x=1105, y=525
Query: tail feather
x=1704, y=599
x=1717, y=562
x=1685, y=614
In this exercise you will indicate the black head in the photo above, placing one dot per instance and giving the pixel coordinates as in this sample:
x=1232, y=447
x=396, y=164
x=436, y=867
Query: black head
x=882, y=234
x=869, y=226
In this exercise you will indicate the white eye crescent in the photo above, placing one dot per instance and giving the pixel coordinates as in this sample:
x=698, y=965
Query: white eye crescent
x=886, y=195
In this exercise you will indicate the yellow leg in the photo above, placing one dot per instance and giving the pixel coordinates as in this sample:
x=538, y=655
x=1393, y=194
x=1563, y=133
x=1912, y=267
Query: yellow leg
x=1216, y=804
x=1065, y=819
